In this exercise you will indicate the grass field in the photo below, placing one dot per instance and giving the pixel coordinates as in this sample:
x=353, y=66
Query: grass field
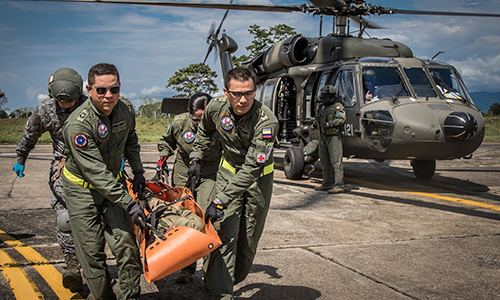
x=150, y=130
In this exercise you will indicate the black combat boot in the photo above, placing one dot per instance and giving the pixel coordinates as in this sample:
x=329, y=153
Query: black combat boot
x=72, y=278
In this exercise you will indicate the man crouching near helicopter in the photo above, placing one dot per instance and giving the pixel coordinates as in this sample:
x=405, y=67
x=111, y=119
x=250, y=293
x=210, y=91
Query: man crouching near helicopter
x=329, y=120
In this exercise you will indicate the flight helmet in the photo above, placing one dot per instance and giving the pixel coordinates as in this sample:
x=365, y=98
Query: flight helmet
x=328, y=94
x=65, y=85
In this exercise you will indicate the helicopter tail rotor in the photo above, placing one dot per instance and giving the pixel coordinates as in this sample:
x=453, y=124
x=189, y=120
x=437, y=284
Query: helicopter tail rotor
x=213, y=35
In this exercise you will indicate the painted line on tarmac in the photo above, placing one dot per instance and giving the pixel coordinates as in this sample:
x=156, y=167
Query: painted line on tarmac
x=49, y=273
x=21, y=284
x=430, y=195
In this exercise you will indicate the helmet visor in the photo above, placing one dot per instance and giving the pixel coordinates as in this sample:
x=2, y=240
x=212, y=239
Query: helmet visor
x=64, y=91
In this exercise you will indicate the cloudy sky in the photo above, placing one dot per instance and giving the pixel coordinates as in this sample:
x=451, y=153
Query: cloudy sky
x=148, y=44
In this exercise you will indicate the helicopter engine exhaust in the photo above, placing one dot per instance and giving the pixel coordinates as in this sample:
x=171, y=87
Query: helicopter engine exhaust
x=295, y=50
x=460, y=126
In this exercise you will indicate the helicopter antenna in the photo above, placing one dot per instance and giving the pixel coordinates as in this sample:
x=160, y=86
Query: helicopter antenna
x=437, y=54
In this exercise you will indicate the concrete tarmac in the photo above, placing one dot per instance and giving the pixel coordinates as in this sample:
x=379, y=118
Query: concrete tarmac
x=391, y=236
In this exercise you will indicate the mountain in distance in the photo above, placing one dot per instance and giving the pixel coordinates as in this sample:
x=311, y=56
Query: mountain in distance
x=483, y=100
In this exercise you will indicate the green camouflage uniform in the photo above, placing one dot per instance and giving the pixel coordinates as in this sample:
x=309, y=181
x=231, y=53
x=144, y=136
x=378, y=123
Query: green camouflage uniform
x=330, y=120
x=94, y=187
x=175, y=216
x=49, y=116
x=180, y=135
x=244, y=185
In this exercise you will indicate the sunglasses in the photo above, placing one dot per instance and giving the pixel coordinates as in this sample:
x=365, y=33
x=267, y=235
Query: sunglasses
x=195, y=119
x=101, y=90
x=247, y=94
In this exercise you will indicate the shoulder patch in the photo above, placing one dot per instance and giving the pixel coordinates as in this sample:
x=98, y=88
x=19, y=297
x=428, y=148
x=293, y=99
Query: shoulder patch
x=262, y=114
x=219, y=99
x=180, y=117
x=80, y=140
x=83, y=115
x=267, y=133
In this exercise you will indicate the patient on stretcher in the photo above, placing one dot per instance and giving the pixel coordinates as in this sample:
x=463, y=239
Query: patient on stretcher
x=175, y=215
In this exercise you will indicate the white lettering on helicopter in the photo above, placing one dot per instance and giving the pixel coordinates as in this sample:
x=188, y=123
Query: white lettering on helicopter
x=348, y=130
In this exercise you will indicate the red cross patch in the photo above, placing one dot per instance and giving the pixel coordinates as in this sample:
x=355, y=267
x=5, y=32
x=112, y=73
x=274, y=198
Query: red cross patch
x=261, y=158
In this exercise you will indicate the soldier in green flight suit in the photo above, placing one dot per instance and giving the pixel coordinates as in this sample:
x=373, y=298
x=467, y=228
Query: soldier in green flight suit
x=330, y=120
x=180, y=135
x=96, y=136
x=247, y=130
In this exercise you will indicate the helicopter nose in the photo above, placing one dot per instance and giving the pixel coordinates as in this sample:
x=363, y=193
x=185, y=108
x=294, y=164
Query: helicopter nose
x=460, y=126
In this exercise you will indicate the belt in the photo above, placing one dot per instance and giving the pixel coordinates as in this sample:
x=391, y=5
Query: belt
x=226, y=165
x=81, y=182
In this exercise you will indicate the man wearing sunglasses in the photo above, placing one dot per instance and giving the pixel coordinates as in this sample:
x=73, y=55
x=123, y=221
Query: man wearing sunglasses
x=244, y=181
x=96, y=136
x=65, y=91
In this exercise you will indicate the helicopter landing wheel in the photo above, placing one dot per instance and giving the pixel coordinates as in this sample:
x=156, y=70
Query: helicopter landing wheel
x=294, y=163
x=423, y=169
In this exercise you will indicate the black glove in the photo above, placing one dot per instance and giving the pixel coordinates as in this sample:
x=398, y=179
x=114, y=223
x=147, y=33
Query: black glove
x=214, y=211
x=195, y=169
x=136, y=213
x=139, y=182
x=162, y=163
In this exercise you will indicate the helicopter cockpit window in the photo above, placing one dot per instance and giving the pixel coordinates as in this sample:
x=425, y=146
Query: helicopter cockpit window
x=420, y=82
x=449, y=84
x=344, y=84
x=321, y=83
x=383, y=82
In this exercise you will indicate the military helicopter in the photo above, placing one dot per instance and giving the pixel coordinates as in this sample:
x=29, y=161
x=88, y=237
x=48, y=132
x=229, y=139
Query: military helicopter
x=397, y=106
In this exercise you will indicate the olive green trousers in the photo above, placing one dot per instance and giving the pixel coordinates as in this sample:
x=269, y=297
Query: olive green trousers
x=330, y=155
x=87, y=208
x=240, y=231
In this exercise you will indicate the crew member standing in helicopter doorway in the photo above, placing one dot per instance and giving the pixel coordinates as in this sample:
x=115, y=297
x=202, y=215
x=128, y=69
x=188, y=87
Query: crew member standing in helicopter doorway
x=65, y=91
x=181, y=135
x=329, y=121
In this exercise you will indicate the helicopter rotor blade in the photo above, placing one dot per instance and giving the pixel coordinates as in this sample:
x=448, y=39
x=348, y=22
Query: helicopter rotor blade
x=329, y=3
x=270, y=8
x=210, y=39
x=328, y=7
x=443, y=13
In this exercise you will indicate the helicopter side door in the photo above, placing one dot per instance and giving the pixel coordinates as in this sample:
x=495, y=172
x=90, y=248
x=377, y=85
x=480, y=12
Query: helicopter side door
x=346, y=87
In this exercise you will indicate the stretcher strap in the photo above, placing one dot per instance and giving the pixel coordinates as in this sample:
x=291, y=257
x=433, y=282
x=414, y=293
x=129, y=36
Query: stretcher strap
x=81, y=182
x=226, y=165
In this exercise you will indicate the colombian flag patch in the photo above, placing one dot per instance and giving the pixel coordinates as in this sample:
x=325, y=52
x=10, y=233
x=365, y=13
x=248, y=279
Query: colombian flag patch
x=267, y=133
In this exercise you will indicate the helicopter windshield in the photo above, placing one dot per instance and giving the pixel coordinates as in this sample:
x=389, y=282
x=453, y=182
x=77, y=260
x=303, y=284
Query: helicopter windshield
x=449, y=84
x=382, y=82
x=420, y=82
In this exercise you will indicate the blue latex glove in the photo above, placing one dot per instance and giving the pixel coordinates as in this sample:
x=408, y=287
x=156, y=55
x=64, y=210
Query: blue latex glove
x=123, y=163
x=19, y=170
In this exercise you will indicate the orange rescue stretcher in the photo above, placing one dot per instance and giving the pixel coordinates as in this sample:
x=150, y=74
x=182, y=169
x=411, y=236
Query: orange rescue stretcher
x=179, y=247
